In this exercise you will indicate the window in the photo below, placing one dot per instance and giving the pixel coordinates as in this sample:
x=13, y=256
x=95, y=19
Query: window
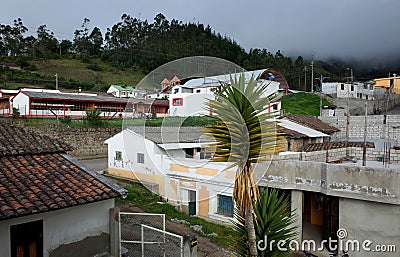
x=205, y=154
x=225, y=205
x=27, y=239
x=198, y=90
x=140, y=158
x=177, y=102
x=189, y=152
x=118, y=155
x=342, y=86
x=352, y=88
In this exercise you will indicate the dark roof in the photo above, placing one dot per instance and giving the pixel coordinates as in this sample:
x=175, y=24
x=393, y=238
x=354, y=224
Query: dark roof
x=73, y=97
x=335, y=145
x=16, y=141
x=92, y=98
x=165, y=135
x=36, y=176
x=290, y=133
x=312, y=122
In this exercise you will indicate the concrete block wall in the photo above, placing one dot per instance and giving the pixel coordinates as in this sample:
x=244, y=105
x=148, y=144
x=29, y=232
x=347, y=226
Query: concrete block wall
x=376, y=127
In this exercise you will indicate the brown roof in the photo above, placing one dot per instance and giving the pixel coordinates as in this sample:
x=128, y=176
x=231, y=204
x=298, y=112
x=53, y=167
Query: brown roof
x=175, y=79
x=335, y=145
x=36, y=176
x=165, y=81
x=312, y=122
x=16, y=141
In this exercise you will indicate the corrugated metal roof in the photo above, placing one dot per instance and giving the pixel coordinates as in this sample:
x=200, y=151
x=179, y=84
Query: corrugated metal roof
x=74, y=97
x=199, y=82
x=300, y=129
x=170, y=135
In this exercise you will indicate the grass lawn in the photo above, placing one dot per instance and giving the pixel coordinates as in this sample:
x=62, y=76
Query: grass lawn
x=141, y=197
x=118, y=123
x=303, y=103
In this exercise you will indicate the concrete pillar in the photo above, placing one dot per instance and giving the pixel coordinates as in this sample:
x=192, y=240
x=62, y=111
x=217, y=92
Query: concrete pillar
x=297, y=208
x=115, y=244
x=190, y=245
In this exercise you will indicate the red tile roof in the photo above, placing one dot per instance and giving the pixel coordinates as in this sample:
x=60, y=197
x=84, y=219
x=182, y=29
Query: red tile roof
x=37, y=176
x=335, y=145
x=312, y=122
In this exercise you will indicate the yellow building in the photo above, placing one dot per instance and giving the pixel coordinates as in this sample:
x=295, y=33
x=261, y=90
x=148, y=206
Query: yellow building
x=387, y=82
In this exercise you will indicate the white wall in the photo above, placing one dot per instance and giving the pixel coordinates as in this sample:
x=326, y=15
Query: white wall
x=347, y=90
x=377, y=222
x=329, y=87
x=64, y=226
x=193, y=104
x=21, y=102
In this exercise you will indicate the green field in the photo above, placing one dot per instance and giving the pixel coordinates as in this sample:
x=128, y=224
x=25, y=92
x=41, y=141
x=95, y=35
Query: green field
x=91, y=75
x=303, y=103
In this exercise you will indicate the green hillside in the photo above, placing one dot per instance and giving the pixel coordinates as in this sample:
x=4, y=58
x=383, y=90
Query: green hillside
x=91, y=74
x=303, y=103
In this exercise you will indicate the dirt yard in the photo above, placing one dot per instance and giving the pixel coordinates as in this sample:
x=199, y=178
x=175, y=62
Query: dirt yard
x=206, y=248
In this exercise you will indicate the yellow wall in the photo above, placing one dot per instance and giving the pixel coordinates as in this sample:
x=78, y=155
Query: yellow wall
x=154, y=179
x=204, y=204
x=385, y=83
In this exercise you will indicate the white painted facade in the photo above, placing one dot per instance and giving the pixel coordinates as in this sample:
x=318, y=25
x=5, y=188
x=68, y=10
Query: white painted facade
x=166, y=166
x=63, y=226
x=126, y=92
x=343, y=90
x=191, y=99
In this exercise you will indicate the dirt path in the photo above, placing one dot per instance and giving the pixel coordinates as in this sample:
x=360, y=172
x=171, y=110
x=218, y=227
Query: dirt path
x=205, y=247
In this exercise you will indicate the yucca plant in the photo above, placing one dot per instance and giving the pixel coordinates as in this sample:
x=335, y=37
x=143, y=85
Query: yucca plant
x=243, y=135
x=273, y=223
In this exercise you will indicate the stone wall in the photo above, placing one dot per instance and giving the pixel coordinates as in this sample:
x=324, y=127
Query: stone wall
x=86, y=142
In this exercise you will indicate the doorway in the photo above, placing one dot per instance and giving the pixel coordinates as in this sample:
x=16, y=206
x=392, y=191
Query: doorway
x=27, y=239
x=192, y=202
x=320, y=216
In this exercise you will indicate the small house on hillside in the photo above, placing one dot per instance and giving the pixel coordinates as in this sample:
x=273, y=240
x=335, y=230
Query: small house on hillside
x=50, y=204
x=126, y=91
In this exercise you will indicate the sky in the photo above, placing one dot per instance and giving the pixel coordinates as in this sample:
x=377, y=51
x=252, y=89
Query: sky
x=354, y=29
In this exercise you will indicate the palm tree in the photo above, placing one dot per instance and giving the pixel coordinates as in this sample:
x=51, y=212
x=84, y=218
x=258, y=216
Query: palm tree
x=273, y=222
x=243, y=136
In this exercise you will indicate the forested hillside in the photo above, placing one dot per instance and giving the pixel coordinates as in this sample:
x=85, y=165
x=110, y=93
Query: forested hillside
x=136, y=46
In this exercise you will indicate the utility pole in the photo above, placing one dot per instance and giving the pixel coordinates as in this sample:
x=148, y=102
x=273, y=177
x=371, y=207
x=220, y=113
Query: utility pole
x=56, y=81
x=312, y=76
x=321, y=80
x=305, y=78
x=364, y=161
x=348, y=112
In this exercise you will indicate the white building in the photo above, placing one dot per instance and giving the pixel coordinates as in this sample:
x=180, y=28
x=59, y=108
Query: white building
x=323, y=196
x=49, y=203
x=191, y=98
x=126, y=91
x=353, y=90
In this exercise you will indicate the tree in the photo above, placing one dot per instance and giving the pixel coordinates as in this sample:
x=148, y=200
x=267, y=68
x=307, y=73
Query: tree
x=243, y=136
x=81, y=38
x=273, y=222
x=47, y=44
x=96, y=42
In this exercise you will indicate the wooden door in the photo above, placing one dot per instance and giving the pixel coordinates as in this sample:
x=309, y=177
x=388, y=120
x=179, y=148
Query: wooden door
x=27, y=239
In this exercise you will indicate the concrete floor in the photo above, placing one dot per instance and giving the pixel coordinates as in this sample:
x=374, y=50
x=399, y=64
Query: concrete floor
x=314, y=232
x=98, y=165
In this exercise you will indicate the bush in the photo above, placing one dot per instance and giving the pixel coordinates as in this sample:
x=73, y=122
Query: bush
x=66, y=120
